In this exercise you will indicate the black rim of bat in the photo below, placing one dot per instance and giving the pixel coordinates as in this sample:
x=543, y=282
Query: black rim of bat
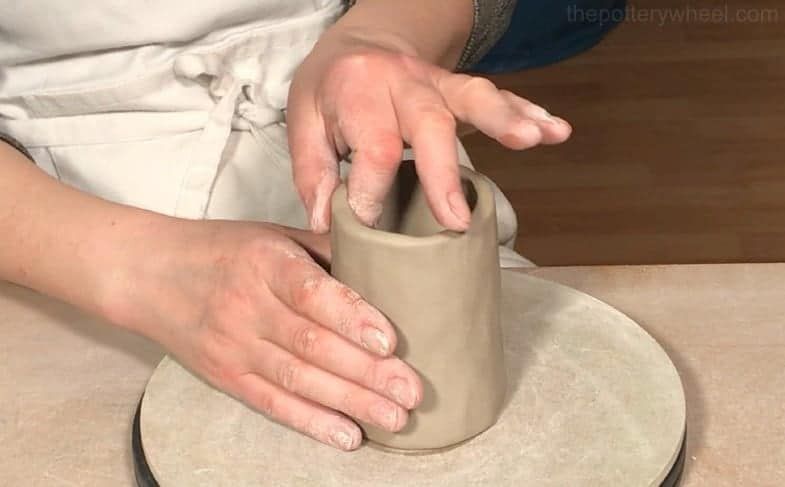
x=145, y=478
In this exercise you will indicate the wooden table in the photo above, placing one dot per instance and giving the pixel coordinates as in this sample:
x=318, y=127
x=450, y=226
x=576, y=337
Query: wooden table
x=69, y=385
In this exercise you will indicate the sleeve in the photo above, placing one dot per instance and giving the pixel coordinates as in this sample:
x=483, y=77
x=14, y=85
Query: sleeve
x=491, y=20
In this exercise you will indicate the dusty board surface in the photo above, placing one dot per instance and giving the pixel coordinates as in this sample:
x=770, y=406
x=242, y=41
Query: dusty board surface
x=593, y=401
x=721, y=324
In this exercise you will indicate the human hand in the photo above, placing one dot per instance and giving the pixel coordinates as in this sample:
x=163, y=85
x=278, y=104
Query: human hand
x=363, y=93
x=246, y=307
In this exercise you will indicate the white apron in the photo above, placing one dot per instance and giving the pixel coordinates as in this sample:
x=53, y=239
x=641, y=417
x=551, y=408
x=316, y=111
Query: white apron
x=182, y=122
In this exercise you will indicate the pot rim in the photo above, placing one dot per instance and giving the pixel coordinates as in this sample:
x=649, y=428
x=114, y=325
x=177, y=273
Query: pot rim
x=484, y=209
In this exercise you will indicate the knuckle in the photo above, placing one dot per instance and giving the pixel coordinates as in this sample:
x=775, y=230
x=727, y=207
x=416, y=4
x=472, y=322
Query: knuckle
x=353, y=304
x=384, y=150
x=345, y=324
x=372, y=376
x=313, y=426
x=304, y=341
x=287, y=375
x=266, y=404
x=477, y=91
x=459, y=79
x=478, y=84
x=350, y=297
x=348, y=405
x=437, y=115
x=305, y=291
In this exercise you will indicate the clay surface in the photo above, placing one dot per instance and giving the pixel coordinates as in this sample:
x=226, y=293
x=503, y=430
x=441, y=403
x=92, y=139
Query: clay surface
x=441, y=292
x=592, y=400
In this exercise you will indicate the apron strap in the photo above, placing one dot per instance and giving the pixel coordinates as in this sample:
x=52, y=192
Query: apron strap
x=205, y=158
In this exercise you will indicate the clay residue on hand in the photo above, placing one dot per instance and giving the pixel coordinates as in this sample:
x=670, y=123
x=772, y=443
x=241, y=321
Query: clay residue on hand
x=367, y=209
x=320, y=211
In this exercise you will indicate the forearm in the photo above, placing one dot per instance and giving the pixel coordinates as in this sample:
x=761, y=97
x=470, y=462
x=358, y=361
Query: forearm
x=433, y=30
x=65, y=243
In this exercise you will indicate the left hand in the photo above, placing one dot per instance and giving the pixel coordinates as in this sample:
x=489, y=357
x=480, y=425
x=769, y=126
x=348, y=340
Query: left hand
x=367, y=94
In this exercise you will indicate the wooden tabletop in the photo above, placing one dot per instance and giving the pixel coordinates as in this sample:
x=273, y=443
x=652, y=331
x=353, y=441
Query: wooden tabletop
x=69, y=384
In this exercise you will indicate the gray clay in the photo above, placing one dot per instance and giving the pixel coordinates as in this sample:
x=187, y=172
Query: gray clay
x=440, y=289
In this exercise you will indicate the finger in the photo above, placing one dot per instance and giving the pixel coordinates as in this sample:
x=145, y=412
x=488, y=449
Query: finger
x=500, y=114
x=555, y=130
x=429, y=127
x=314, y=160
x=369, y=126
x=323, y=348
x=310, y=292
x=314, y=420
x=303, y=379
x=477, y=101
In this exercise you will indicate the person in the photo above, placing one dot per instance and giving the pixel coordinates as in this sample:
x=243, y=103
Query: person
x=185, y=154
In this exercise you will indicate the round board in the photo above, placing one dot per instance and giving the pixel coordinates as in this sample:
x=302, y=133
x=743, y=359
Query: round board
x=592, y=400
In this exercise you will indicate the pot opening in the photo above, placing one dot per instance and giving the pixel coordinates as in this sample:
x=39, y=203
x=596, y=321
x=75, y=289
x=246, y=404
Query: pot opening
x=406, y=210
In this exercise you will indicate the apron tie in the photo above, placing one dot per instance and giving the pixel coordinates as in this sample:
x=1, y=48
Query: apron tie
x=233, y=109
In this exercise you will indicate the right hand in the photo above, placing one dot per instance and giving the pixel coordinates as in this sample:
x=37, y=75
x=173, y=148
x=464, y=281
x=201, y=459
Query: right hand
x=246, y=307
x=366, y=92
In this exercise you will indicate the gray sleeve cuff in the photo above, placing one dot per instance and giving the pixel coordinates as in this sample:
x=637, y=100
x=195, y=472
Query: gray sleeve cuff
x=491, y=20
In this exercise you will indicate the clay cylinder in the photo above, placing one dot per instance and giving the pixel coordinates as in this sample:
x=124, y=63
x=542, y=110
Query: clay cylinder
x=441, y=290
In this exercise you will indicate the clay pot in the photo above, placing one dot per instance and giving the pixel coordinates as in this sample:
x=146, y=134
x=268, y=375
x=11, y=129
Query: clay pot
x=441, y=290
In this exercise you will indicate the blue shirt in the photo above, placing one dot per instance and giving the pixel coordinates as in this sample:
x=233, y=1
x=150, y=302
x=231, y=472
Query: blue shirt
x=546, y=31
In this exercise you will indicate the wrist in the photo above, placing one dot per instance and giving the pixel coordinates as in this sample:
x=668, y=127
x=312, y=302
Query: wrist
x=351, y=37
x=62, y=242
x=130, y=265
x=432, y=30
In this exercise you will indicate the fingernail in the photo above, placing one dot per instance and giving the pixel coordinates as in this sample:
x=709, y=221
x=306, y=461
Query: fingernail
x=385, y=415
x=318, y=223
x=343, y=440
x=374, y=340
x=319, y=209
x=402, y=393
x=459, y=207
x=366, y=208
